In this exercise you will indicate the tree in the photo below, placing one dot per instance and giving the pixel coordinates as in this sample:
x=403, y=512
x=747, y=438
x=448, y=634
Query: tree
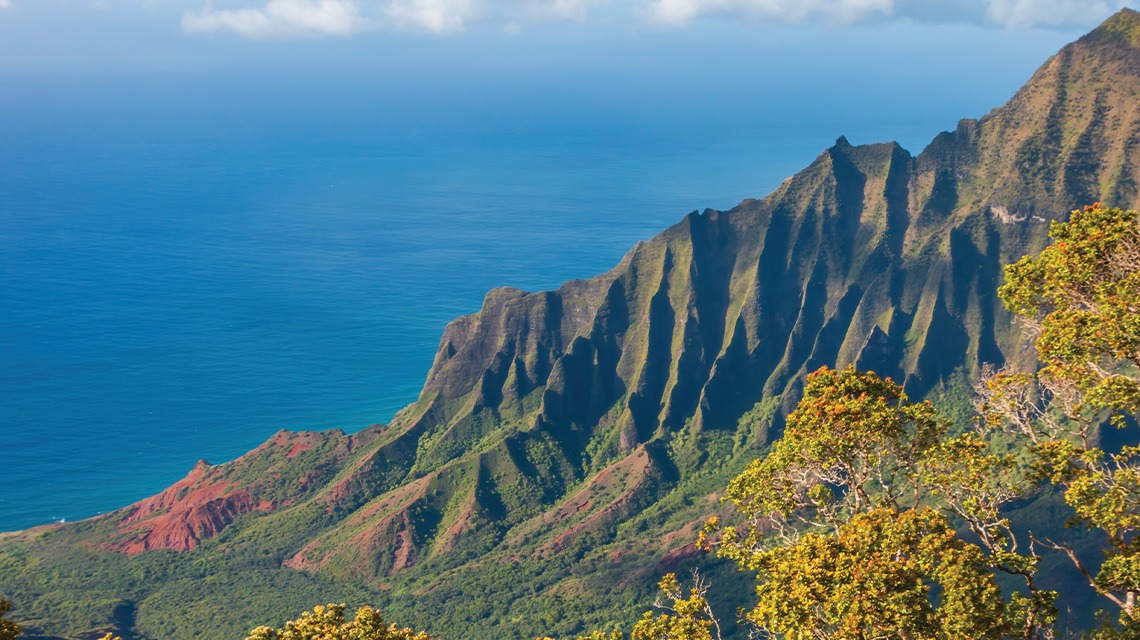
x=847, y=522
x=848, y=516
x=329, y=623
x=684, y=618
x=1080, y=302
x=853, y=444
x=8, y=630
x=681, y=617
x=875, y=579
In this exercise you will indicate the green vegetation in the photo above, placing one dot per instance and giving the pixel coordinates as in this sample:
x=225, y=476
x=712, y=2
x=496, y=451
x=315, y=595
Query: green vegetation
x=852, y=519
x=1081, y=298
x=8, y=630
x=848, y=518
x=568, y=445
x=848, y=529
x=328, y=623
x=873, y=578
x=873, y=478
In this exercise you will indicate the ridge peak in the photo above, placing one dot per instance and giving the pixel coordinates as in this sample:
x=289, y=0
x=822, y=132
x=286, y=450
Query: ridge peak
x=1122, y=26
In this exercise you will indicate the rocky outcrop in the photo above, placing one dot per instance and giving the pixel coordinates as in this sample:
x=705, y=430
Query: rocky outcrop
x=276, y=475
x=191, y=509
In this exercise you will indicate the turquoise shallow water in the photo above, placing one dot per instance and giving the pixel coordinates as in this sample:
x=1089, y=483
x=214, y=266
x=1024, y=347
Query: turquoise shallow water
x=190, y=262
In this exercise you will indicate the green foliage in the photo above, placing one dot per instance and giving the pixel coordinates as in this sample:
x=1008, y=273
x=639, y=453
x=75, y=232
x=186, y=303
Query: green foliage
x=1080, y=298
x=685, y=618
x=599, y=635
x=682, y=617
x=875, y=579
x=329, y=623
x=849, y=528
x=170, y=596
x=852, y=444
x=873, y=479
x=1125, y=628
x=8, y=630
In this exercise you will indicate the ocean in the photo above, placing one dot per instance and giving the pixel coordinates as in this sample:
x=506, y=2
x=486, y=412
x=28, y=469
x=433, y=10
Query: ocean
x=192, y=260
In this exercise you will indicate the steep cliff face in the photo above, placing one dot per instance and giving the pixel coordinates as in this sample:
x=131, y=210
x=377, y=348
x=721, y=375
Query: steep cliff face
x=587, y=416
x=1070, y=135
x=869, y=256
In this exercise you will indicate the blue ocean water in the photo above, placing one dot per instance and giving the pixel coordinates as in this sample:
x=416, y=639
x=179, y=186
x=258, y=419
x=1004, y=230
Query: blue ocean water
x=191, y=261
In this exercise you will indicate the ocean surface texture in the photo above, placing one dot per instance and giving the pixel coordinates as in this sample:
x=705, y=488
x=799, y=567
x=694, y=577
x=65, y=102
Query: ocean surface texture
x=192, y=261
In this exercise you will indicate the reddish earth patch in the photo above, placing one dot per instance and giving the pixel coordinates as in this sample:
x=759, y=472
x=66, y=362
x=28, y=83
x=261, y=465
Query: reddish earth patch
x=390, y=535
x=301, y=561
x=450, y=538
x=405, y=554
x=686, y=534
x=397, y=499
x=386, y=529
x=190, y=510
x=673, y=559
x=297, y=441
x=343, y=489
x=628, y=474
x=298, y=447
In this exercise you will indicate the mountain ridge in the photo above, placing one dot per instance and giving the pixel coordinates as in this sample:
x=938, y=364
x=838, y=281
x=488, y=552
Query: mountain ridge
x=574, y=424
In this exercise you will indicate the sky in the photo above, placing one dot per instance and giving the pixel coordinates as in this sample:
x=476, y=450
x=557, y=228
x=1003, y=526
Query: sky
x=168, y=34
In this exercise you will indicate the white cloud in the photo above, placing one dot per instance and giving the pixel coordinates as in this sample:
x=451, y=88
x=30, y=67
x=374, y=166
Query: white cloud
x=276, y=19
x=1027, y=13
x=280, y=19
x=557, y=10
x=436, y=16
x=1009, y=13
x=4, y=4
x=682, y=12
